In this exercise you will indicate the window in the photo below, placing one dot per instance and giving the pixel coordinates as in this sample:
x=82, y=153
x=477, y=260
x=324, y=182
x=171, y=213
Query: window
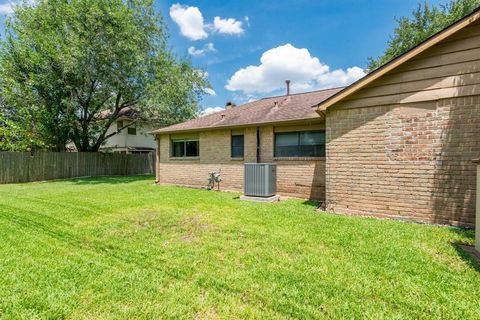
x=185, y=148
x=119, y=124
x=300, y=144
x=132, y=130
x=237, y=146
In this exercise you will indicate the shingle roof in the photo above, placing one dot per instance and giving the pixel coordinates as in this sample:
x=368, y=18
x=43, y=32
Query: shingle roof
x=290, y=108
x=124, y=112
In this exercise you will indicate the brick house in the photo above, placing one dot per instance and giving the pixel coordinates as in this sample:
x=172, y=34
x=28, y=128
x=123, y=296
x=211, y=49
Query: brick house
x=397, y=143
x=260, y=131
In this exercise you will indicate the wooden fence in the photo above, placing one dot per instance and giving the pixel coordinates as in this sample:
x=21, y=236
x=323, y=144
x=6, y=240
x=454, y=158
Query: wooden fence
x=25, y=167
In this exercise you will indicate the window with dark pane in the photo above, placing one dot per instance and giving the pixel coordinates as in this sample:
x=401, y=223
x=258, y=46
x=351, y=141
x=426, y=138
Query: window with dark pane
x=132, y=130
x=191, y=148
x=300, y=144
x=178, y=149
x=185, y=148
x=237, y=146
x=286, y=144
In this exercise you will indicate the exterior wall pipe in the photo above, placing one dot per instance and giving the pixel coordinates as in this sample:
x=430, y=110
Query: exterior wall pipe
x=258, y=144
x=477, y=218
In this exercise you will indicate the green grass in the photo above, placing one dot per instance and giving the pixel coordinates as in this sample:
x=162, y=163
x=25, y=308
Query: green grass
x=123, y=248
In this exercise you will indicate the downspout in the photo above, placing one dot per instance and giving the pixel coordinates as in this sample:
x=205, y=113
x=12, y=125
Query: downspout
x=157, y=159
x=477, y=208
x=258, y=145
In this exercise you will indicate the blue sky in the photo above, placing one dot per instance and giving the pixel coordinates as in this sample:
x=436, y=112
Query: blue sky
x=248, y=48
x=341, y=34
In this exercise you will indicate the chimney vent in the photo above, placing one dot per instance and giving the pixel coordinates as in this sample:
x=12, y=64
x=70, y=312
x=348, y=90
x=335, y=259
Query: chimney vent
x=230, y=105
x=287, y=82
x=275, y=104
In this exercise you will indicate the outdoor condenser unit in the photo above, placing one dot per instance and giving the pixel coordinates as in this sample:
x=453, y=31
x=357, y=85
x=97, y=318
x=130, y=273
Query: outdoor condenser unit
x=260, y=179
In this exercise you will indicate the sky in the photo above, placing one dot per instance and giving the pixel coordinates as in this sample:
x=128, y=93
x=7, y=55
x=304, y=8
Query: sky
x=248, y=48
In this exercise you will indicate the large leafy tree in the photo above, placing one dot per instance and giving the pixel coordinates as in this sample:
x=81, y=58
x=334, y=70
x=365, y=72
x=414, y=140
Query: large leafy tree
x=425, y=21
x=16, y=132
x=73, y=65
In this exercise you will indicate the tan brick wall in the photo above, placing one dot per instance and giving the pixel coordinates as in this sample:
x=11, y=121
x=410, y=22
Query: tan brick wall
x=304, y=178
x=195, y=174
x=412, y=162
x=250, y=145
x=266, y=144
x=295, y=177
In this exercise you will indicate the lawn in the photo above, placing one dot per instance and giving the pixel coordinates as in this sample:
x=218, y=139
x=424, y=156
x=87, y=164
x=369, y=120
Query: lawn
x=123, y=248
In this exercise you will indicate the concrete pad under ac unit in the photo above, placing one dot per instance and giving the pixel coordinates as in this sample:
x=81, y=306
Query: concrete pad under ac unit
x=274, y=198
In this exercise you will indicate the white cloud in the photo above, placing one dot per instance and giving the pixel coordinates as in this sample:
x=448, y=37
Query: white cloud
x=7, y=8
x=244, y=98
x=209, y=47
x=287, y=62
x=210, y=91
x=190, y=21
x=210, y=110
x=340, y=77
x=227, y=26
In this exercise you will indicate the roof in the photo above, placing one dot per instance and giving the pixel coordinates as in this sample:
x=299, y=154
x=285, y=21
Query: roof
x=126, y=112
x=293, y=107
x=394, y=63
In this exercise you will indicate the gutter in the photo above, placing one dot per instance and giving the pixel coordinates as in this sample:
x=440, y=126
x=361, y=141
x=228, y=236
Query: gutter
x=307, y=121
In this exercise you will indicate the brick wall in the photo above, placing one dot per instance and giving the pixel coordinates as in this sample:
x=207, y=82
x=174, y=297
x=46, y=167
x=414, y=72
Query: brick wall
x=411, y=162
x=304, y=178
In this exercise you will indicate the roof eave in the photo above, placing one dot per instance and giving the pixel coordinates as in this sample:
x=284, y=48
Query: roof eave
x=245, y=125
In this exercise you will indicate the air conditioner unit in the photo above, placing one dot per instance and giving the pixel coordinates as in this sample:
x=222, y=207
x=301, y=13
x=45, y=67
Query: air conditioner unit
x=260, y=179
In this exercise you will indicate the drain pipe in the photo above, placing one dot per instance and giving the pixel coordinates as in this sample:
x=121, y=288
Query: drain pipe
x=258, y=144
x=477, y=218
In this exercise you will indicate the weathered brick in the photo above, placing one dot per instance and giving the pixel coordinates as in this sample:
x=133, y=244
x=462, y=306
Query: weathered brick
x=416, y=166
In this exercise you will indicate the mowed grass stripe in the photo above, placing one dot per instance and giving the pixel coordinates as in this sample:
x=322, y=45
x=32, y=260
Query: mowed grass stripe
x=123, y=248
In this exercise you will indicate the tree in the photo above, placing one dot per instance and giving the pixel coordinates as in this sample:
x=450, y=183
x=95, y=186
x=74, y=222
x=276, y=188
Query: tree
x=73, y=65
x=424, y=22
x=15, y=132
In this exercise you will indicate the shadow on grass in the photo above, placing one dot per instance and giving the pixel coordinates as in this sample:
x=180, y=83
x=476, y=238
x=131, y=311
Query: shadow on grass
x=468, y=254
x=464, y=249
x=111, y=180
x=311, y=203
x=468, y=233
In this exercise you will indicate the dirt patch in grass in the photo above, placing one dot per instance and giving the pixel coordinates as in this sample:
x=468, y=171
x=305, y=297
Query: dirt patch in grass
x=193, y=227
x=147, y=218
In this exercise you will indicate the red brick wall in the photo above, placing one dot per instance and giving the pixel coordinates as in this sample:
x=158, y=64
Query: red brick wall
x=410, y=162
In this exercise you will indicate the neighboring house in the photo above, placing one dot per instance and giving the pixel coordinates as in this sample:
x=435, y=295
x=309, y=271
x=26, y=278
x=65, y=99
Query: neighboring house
x=397, y=143
x=132, y=139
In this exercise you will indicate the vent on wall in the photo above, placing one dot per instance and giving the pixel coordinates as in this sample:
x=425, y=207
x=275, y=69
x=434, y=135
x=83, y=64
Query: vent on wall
x=260, y=179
